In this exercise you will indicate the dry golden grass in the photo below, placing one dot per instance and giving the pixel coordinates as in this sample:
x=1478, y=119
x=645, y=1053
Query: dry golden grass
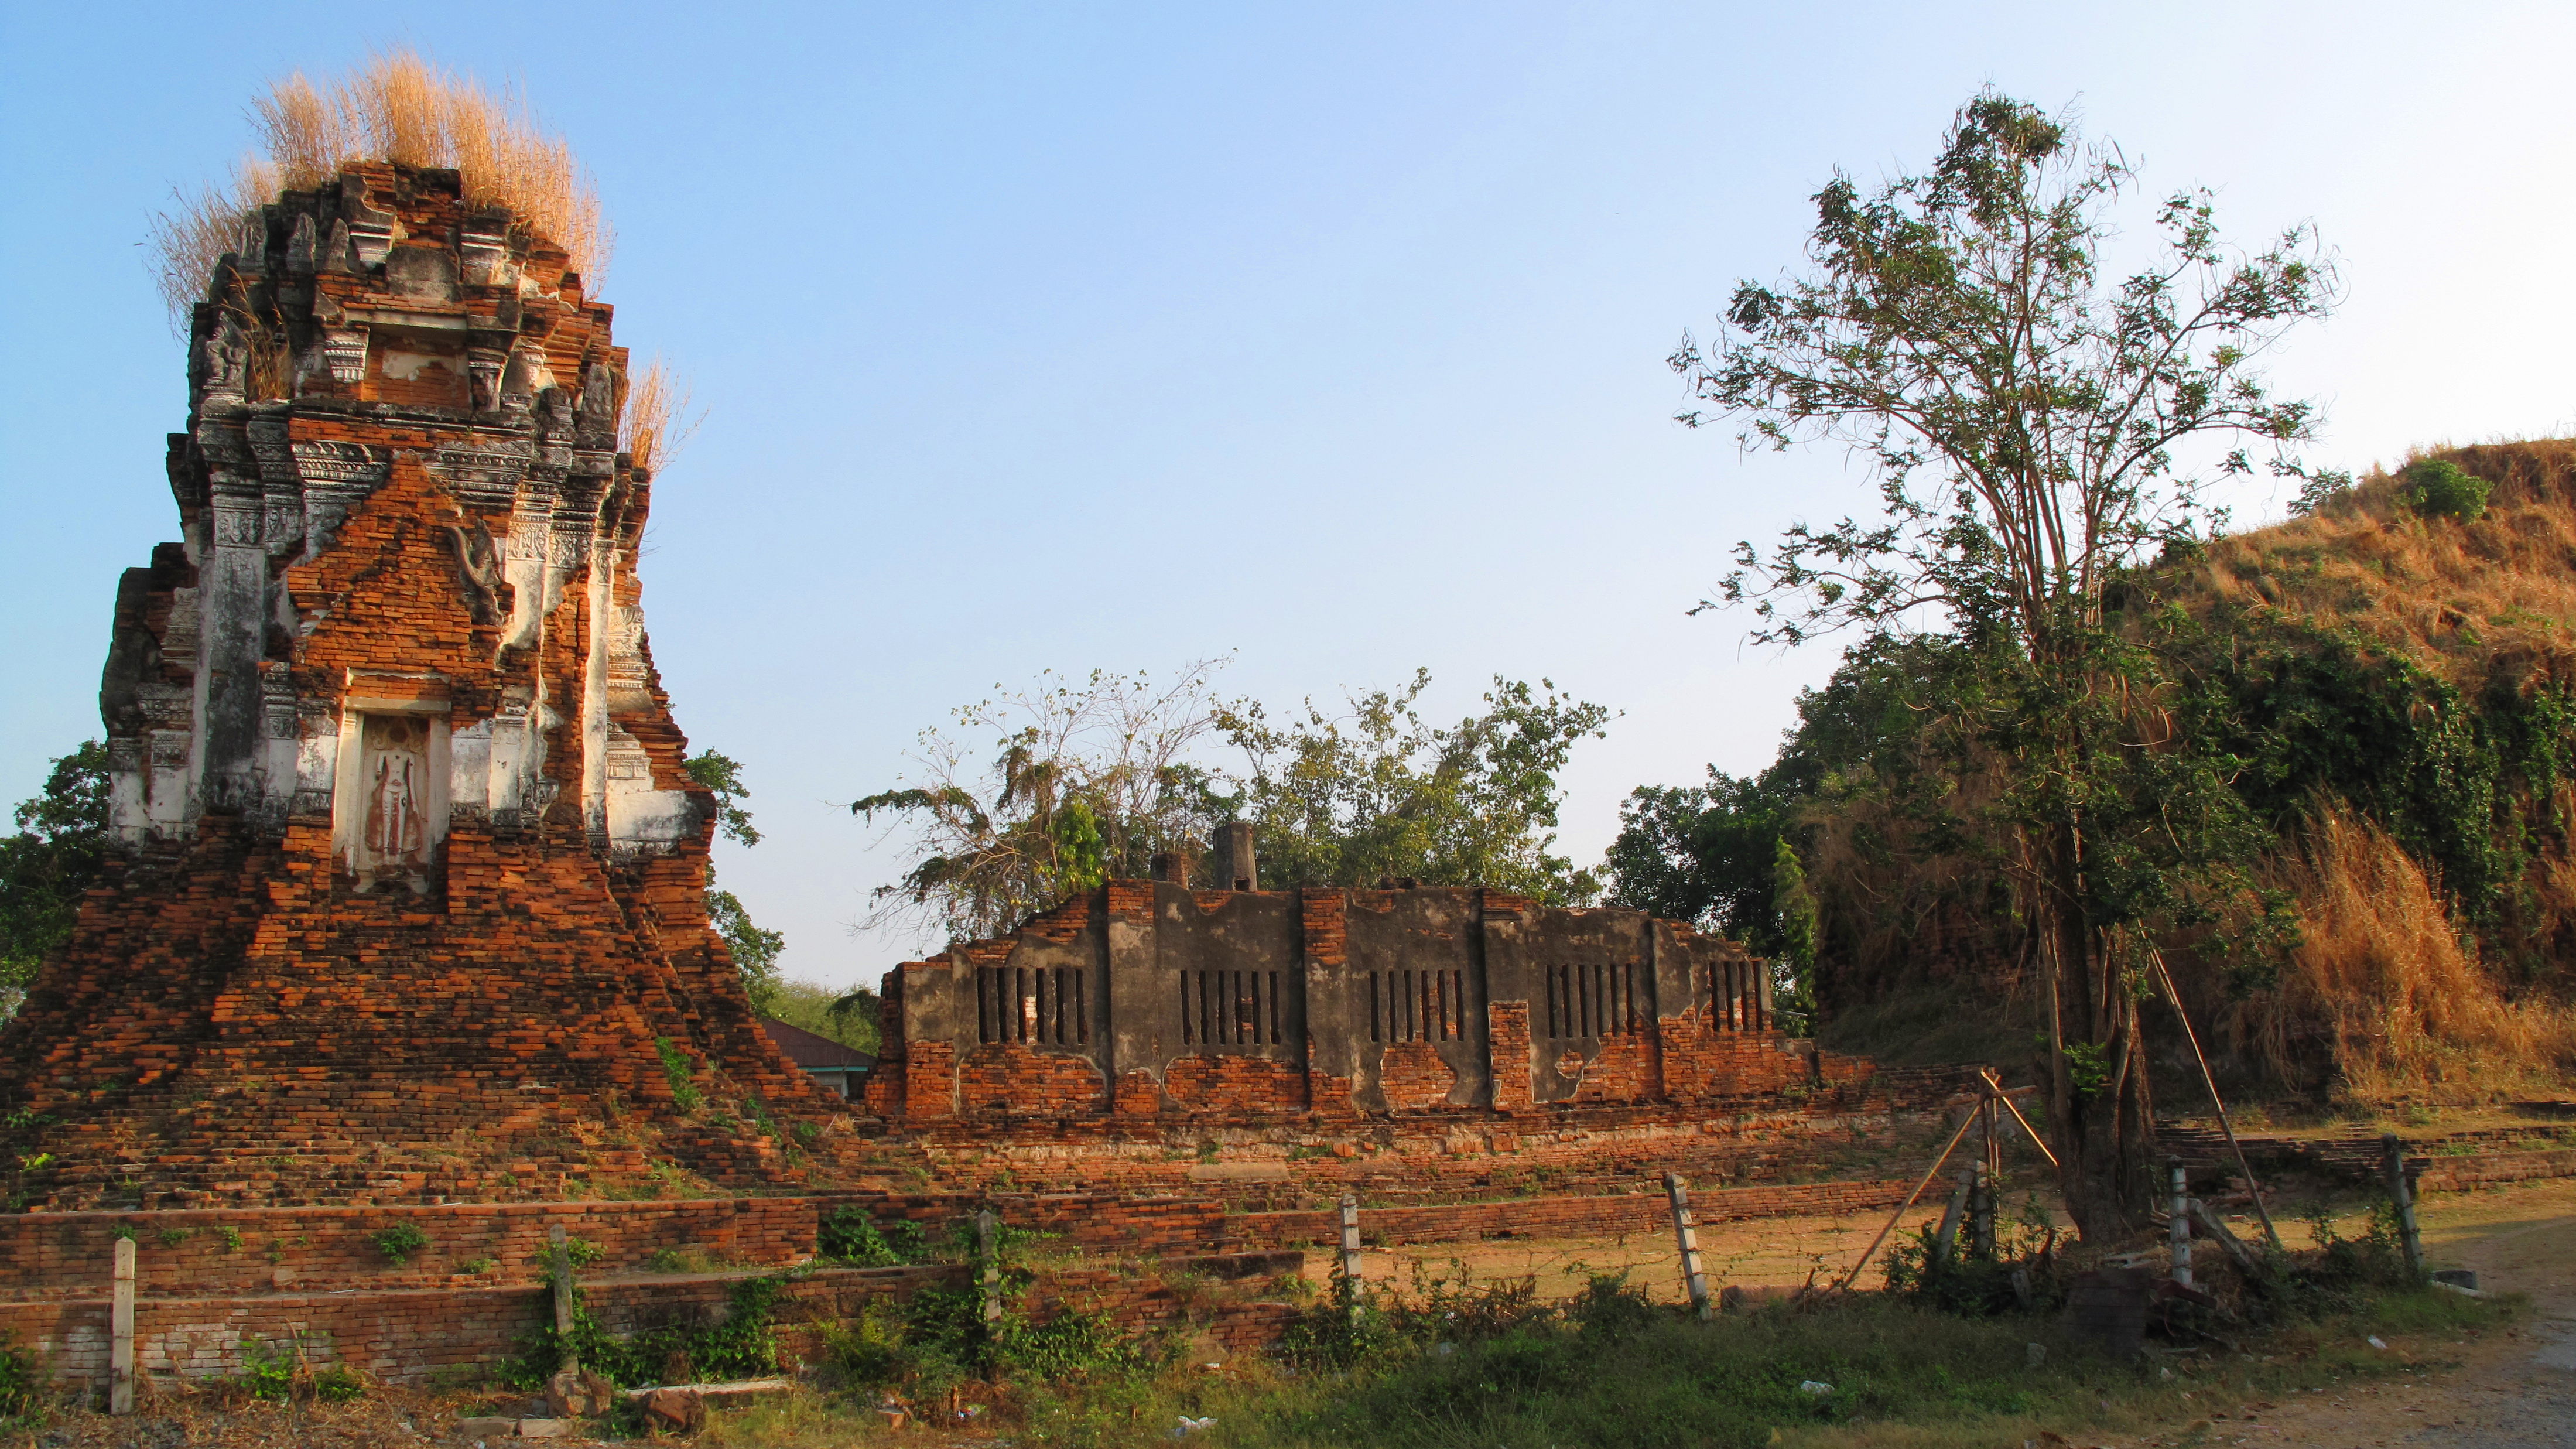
x=397, y=108
x=657, y=420
x=2466, y=600
x=199, y=229
x=2384, y=977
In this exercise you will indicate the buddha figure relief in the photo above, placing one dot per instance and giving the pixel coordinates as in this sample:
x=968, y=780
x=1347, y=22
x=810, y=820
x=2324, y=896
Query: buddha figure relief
x=395, y=841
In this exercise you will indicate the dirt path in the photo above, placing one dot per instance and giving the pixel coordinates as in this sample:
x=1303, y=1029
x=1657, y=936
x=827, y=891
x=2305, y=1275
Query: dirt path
x=2511, y=1390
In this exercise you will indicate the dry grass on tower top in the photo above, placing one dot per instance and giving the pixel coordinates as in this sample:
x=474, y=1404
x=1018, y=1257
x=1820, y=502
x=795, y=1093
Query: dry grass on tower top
x=396, y=108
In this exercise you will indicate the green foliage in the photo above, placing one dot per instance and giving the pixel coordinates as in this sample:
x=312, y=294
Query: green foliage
x=269, y=1375
x=58, y=850
x=679, y=1067
x=1706, y=854
x=399, y=1242
x=1794, y=993
x=754, y=950
x=2465, y=781
x=1093, y=781
x=1087, y=781
x=850, y=1236
x=741, y=1344
x=723, y=775
x=2440, y=488
x=1379, y=793
x=232, y=1238
x=339, y=1384
x=940, y=1336
x=21, y=1379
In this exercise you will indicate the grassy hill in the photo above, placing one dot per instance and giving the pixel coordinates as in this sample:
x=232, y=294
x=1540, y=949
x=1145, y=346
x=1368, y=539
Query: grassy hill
x=2398, y=690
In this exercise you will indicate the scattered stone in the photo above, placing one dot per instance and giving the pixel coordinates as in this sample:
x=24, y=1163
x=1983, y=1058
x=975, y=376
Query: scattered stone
x=675, y=1411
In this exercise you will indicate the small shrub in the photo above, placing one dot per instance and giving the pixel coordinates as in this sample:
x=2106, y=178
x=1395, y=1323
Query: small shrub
x=173, y=1237
x=2439, y=488
x=20, y=1379
x=399, y=1242
x=475, y=1265
x=126, y=1233
x=338, y=1384
x=266, y=1375
x=679, y=1069
x=850, y=1236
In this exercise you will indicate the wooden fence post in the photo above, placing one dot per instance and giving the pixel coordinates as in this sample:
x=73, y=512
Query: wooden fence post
x=1686, y=1234
x=120, y=1331
x=1351, y=1256
x=989, y=1254
x=2393, y=1164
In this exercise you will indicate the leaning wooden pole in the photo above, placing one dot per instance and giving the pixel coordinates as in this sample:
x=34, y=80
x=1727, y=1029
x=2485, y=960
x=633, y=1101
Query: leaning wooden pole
x=1893, y=1218
x=2210, y=1080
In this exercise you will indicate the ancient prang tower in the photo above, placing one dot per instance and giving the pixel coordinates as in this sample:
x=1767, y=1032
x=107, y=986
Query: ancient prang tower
x=411, y=902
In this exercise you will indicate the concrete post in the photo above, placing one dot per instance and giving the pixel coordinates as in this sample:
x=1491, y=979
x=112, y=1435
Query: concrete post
x=1686, y=1236
x=1981, y=1204
x=2402, y=1193
x=561, y=1251
x=989, y=1254
x=2180, y=1234
x=120, y=1331
x=1351, y=1256
x=1945, y=1246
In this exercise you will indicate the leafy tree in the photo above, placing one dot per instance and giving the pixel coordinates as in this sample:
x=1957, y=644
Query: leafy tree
x=2034, y=432
x=1085, y=781
x=1377, y=792
x=755, y=950
x=1703, y=854
x=1092, y=781
x=45, y=867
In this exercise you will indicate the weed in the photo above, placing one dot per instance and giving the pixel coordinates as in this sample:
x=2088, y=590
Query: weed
x=677, y=1066
x=21, y=1378
x=173, y=1237
x=850, y=1236
x=477, y=1266
x=232, y=1238
x=399, y=1241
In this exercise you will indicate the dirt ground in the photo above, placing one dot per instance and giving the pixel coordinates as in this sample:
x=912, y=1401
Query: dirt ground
x=2514, y=1390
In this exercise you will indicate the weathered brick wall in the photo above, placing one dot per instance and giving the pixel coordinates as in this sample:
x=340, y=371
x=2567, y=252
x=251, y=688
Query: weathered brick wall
x=1249, y=1005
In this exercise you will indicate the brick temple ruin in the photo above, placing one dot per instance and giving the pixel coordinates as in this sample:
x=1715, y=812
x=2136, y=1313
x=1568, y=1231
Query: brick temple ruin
x=411, y=899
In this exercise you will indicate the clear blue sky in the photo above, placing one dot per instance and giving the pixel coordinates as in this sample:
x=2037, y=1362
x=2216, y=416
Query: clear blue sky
x=1329, y=335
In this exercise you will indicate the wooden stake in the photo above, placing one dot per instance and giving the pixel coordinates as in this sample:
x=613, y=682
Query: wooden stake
x=2208, y=1079
x=120, y=1330
x=1892, y=1218
x=1686, y=1234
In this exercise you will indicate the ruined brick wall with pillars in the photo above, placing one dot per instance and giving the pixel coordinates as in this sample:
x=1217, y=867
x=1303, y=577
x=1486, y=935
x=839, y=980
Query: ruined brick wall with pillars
x=409, y=898
x=1147, y=1000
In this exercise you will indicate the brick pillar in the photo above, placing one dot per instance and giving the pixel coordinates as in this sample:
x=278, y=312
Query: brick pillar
x=1507, y=1034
